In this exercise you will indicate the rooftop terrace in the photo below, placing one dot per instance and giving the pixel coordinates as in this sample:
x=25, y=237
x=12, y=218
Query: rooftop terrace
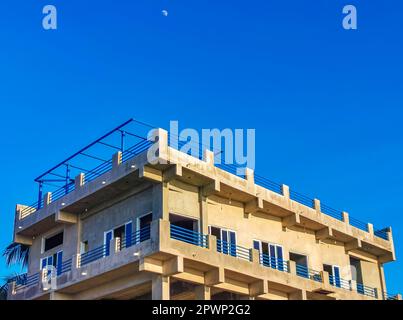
x=130, y=138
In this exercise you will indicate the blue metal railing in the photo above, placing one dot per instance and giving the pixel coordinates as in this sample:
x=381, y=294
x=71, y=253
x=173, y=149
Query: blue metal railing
x=233, y=250
x=367, y=291
x=93, y=255
x=305, y=272
x=270, y=185
x=383, y=234
x=136, y=150
x=189, y=236
x=388, y=296
x=302, y=199
x=339, y=282
x=359, y=224
x=98, y=171
x=137, y=237
x=27, y=281
x=274, y=263
x=61, y=192
x=332, y=212
x=65, y=267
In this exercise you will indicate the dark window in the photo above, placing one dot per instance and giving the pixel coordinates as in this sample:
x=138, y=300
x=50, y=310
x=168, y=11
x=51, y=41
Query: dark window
x=54, y=241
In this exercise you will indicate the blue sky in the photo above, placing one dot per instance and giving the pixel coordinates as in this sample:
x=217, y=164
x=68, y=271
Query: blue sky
x=327, y=103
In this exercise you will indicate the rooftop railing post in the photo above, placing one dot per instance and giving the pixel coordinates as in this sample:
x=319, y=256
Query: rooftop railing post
x=208, y=157
x=122, y=141
x=285, y=191
x=116, y=159
x=67, y=178
x=316, y=204
x=79, y=180
x=47, y=199
x=346, y=218
x=370, y=228
x=40, y=194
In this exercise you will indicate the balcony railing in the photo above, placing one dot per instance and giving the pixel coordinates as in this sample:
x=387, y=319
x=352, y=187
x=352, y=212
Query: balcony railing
x=25, y=281
x=189, y=236
x=302, y=199
x=367, y=291
x=304, y=272
x=94, y=255
x=137, y=237
x=359, y=224
x=65, y=267
x=390, y=297
x=233, y=250
x=383, y=234
x=340, y=283
x=274, y=263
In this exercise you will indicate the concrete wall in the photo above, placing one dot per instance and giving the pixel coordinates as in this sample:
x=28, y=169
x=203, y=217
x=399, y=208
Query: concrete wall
x=113, y=214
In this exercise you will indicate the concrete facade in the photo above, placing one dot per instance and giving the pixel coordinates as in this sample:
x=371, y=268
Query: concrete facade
x=165, y=267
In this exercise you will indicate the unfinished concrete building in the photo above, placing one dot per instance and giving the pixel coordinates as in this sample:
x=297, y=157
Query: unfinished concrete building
x=186, y=228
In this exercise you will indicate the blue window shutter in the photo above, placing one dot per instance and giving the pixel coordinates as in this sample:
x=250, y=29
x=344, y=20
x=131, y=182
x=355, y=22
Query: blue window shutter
x=128, y=234
x=337, y=276
x=59, y=262
x=44, y=262
x=232, y=241
x=280, y=258
x=108, y=238
x=256, y=245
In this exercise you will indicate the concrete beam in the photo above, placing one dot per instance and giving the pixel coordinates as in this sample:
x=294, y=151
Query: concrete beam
x=151, y=265
x=298, y=295
x=254, y=206
x=214, y=277
x=172, y=173
x=258, y=288
x=353, y=245
x=66, y=217
x=23, y=240
x=211, y=188
x=173, y=266
x=324, y=233
x=150, y=174
x=291, y=220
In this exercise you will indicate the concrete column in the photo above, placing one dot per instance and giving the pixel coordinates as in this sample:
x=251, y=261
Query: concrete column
x=79, y=180
x=353, y=285
x=208, y=157
x=160, y=288
x=382, y=278
x=203, y=212
x=114, y=246
x=370, y=228
x=325, y=278
x=116, y=159
x=298, y=295
x=212, y=243
x=203, y=293
x=47, y=199
x=12, y=288
x=292, y=267
x=250, y=177
x=158, y=153
x=317, y=207
x=160, y=201
x=286, y=191
x=75, y=262
x=255, y=254
x=346, y=218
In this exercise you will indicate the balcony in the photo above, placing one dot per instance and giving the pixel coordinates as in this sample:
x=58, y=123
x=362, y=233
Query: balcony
x=130, y=167
x=188, y=256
